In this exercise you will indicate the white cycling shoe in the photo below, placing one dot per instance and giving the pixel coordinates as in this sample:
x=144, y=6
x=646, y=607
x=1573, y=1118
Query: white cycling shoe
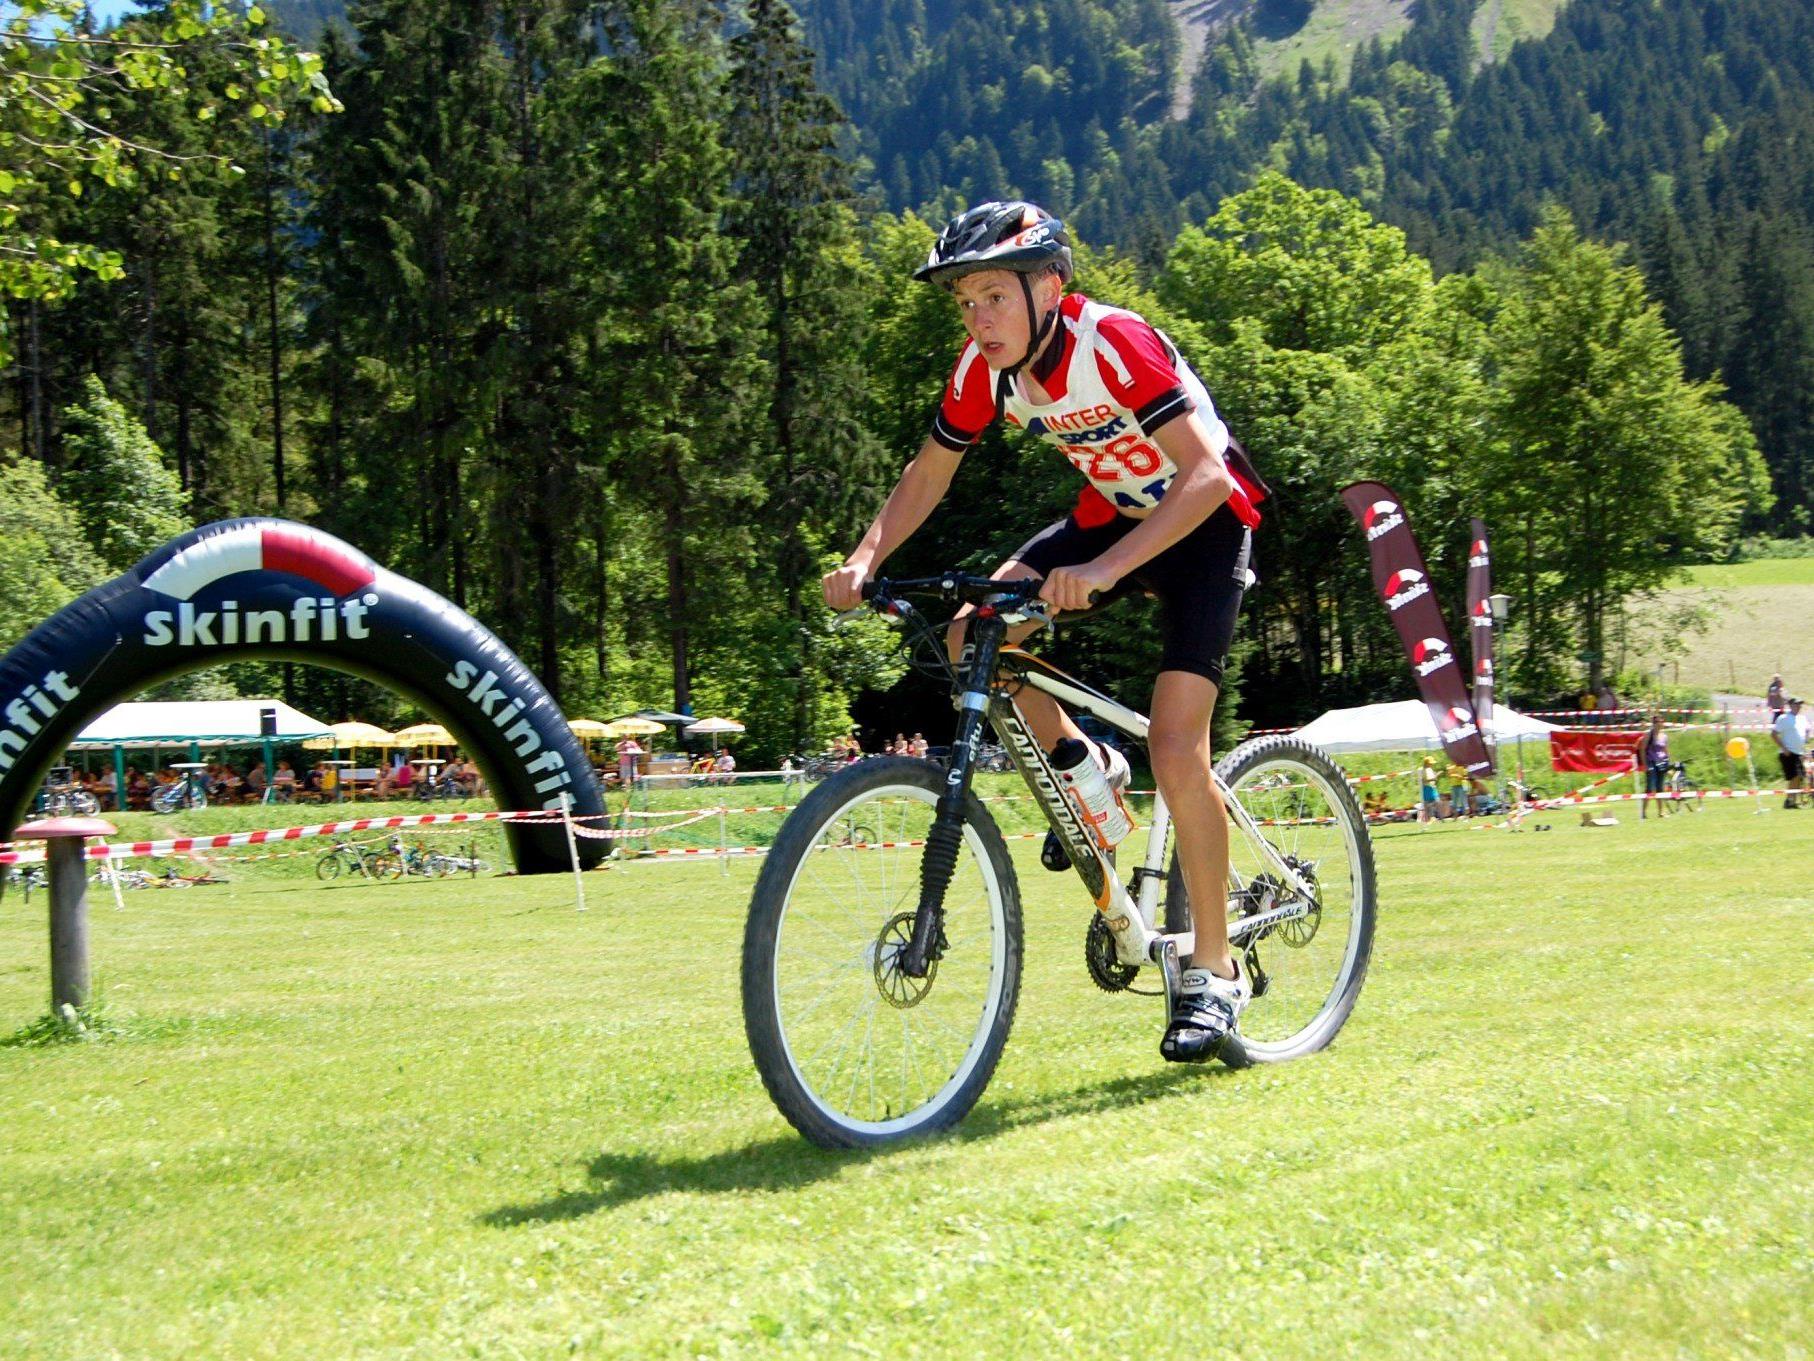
x=1207, y=1010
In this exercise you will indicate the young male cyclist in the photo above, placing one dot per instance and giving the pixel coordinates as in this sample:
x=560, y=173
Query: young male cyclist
x=1163, y=511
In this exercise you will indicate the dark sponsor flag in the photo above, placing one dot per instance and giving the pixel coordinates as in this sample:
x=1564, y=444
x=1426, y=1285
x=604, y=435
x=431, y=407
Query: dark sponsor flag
x=1403, y=583
x=1480, y=621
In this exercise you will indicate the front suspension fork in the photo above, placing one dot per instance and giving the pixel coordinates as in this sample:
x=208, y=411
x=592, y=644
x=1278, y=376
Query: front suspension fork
x=946, y=838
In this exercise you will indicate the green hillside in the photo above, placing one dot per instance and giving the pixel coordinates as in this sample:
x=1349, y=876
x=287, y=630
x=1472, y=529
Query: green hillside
x=1756, y=615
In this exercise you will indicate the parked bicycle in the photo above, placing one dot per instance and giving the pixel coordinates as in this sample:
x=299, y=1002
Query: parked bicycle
x=880, y=980
x=188, y=792
x=353, y=857
x=63, y=795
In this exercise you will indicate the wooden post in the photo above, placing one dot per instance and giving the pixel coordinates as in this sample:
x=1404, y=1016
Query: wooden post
x=64, y=839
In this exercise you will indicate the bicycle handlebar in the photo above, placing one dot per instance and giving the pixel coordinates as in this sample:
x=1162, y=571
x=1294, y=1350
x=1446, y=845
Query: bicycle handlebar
x=961, y=586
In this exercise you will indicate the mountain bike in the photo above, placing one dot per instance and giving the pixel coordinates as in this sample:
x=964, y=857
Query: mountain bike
x=184, y=793
x=880, y=979
x=354, y=857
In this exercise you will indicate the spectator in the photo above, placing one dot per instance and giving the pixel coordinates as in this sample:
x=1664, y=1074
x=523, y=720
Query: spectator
x=726, y=767
x=403, y=777
x=1792, y=750
x=1426, y=802
x=790, y=774
x=1773, y=696
x=1374, y=804
x=283, y=783
x=1609, y=698
x=1457, y=775
x=255, y=781
x=628, y=752
x=920, y=745
x=1653, y=759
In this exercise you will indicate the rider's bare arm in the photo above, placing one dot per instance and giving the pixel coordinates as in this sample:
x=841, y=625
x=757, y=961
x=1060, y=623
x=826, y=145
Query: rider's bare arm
x=1201, y=486
x=921, y=487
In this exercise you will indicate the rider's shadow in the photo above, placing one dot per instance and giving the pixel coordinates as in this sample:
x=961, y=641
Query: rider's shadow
x=789, y=1161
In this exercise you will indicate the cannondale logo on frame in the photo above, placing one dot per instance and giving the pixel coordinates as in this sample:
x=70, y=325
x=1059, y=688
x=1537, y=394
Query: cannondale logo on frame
x=1404, y=586
x=1382, y=517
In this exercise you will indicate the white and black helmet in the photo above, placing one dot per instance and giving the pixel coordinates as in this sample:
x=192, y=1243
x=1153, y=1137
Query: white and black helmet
x=1014, y=235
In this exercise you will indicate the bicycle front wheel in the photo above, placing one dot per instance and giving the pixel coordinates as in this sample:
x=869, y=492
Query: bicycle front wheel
x=328, y=867
x=1308, y=962
x=853, y=1052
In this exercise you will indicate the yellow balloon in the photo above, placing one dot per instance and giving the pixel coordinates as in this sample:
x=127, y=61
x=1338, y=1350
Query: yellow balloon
x=1737, y=747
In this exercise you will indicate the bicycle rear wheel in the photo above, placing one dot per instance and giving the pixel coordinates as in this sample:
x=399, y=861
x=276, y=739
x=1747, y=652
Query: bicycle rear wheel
x=328, y=867
x=853, y=1052
x=1309, y=963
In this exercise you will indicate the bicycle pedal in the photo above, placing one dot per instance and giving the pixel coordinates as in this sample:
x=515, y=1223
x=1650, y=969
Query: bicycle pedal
x=1053, y=854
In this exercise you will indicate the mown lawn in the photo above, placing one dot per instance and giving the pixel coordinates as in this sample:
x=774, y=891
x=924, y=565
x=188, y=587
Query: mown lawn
x=1758, y=616
x=1570, y=1117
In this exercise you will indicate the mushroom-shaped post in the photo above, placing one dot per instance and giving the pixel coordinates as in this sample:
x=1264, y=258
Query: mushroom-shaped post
x=63, y=840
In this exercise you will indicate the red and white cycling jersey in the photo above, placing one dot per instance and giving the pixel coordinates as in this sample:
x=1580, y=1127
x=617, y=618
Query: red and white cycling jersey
x=1114, y=380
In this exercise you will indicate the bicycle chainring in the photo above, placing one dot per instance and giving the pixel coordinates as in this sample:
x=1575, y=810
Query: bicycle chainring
x=1106, y=969
x=896, y=988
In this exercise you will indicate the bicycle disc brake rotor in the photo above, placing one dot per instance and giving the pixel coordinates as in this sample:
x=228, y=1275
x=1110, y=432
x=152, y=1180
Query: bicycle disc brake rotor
x=1300, y=931
x=897, y=989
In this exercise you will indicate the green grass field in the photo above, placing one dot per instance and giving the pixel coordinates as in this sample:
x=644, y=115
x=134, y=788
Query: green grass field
x=1760, y=624
x=1571, y=1116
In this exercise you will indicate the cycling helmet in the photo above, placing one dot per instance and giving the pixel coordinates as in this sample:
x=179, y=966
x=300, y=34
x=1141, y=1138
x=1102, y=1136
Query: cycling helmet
x=1014, y=235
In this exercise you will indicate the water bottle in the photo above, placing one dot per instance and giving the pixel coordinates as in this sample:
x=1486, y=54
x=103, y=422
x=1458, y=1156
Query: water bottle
x=1099, y=806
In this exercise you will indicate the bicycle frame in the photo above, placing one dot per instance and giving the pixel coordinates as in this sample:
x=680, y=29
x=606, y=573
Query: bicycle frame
x=1133, y=918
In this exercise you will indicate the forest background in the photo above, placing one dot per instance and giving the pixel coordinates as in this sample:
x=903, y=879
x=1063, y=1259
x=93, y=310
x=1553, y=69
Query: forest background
x=595, y=317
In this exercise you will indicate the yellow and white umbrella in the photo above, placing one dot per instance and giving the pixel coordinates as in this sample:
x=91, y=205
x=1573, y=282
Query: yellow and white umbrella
x=349, y=735
x=424, y=735
x=589, y=729
x=714, y=728
x=634, y=727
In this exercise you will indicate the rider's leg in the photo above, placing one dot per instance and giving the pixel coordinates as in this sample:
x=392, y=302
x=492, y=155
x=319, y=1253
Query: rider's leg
x=1182, y=763
x=1045, y=715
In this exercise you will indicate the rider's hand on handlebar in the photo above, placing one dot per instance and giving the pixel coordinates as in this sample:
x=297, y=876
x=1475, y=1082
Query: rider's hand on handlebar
x=1070, y=588
x=844, y=587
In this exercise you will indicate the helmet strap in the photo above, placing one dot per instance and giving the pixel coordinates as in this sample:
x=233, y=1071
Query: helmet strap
x=1039, y=331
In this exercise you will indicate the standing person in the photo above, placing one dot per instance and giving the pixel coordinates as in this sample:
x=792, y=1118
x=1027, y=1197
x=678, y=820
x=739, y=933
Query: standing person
x=1773, y=696
x=1653, y=760
x=629, y=750
x=1457, y=775
x=1162, y=512
x=1791, y=749
x=1426, y=792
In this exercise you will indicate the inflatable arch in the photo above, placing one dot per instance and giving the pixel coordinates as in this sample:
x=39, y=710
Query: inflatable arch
x=270, y=589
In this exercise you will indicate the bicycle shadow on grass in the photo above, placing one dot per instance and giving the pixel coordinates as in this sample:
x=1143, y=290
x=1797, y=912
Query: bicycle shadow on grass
x=789, y=1162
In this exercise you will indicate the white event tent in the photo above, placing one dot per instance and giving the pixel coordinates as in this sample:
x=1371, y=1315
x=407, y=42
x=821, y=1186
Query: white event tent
x=177, y=723
x=1406, y=725
x=191, y=724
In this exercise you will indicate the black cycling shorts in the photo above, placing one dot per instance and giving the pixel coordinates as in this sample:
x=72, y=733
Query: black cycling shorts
x=1199, y=581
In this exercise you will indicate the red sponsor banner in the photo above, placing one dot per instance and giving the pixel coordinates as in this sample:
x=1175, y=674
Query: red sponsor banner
x=1593, y=751
x=1480, y=620
x=1403, y=583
